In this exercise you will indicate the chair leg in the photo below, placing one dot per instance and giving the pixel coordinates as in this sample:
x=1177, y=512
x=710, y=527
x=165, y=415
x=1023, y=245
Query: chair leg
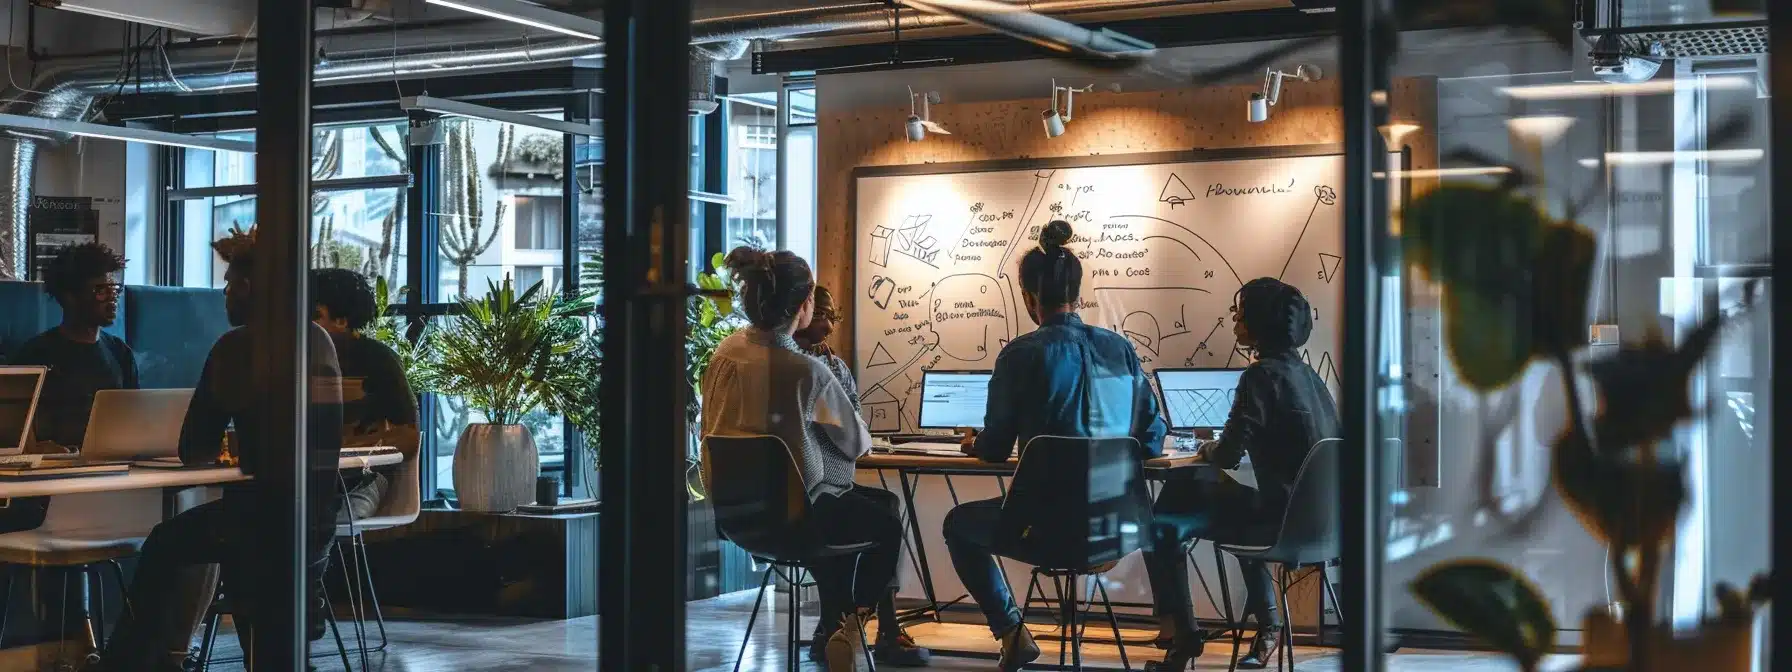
x=124, y=589
x=1285, y=652
x=1234, y=622
x=373, y=597
x=795, y=621
x=97, y=612
x=766, y=581
x=336, y=632
x=1076, y=625
x=6, y=601
x=1113, y=622
x=1064, y=615
x=351, y=576
x=213, y=621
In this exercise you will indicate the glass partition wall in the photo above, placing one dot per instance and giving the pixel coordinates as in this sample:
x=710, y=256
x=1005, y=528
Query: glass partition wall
x=1569, y=394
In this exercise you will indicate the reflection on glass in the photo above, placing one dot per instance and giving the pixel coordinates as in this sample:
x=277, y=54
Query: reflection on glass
x=501, y=213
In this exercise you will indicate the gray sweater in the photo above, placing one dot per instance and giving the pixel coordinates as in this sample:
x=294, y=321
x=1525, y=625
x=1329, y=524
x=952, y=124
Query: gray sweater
x=760, y=383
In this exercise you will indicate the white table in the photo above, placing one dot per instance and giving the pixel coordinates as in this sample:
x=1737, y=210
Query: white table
x=144, y=478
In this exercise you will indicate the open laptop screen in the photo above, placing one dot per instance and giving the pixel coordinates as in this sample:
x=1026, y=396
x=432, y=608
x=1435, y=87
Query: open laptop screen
x=1198, y=398
x=19, y=387
x=953, y=399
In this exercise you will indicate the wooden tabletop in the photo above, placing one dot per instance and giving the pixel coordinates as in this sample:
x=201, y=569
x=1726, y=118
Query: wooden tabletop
x=970, y=464
x=142, y=478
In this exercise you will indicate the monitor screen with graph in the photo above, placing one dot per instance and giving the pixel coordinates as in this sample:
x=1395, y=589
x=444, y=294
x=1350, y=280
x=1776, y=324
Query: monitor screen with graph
x=1198, y=398
x=953, y=399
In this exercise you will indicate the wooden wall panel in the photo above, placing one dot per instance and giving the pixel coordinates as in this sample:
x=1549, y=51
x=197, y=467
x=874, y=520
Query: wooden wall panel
x=1105, y=123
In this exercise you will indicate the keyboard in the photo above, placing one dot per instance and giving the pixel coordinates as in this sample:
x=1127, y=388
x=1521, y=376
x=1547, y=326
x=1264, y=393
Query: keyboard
x=940, y=449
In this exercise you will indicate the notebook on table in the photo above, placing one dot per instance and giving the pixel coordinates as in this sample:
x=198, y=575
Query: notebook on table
x=28, y=470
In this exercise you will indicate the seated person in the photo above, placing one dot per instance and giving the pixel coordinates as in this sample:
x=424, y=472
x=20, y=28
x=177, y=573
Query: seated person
x=759, y=383
x=1281, y=410
x=82, y=360
x=230, y=531
x=1065, y=378
x=379, y=408
x=813, y=339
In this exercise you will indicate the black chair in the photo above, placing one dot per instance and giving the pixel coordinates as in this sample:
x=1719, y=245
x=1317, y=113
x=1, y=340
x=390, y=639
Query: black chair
x=1076, y=507
x=221, y=605
x=1307, y=537
x=762, y=507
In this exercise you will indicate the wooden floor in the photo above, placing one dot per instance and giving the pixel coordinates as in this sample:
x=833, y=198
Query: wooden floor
x=713, y=637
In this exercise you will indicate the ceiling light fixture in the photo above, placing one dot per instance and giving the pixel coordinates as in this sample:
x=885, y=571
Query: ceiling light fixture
x=918, y=125
x=1257, y=109
x=1667, y=157
x=26, y=125
x=529, y=14
x=1054, y=120
x=1602, y=89
x=459, y=109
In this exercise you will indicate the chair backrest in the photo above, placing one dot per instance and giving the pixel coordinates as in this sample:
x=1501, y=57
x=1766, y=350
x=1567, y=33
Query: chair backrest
x=1310, y=525
x=1076, y=502
x=404, y=501
x=758, y=494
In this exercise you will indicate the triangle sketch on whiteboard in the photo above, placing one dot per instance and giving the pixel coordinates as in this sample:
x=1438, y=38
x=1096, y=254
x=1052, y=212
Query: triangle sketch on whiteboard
x=880, y=357
x=1175, y=192
x=1328, y=266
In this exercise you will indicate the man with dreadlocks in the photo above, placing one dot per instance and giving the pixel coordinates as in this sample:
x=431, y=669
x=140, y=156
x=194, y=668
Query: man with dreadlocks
x=228, y=531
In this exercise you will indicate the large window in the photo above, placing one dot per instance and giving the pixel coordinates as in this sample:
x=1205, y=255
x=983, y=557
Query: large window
x=752, y=170
x=797, y=176
x=354, y=226
x=501, y=204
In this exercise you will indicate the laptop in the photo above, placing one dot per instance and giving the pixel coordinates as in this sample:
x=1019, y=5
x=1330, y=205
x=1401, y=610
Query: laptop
x=950, y=400
x=20, y=387
x=1198, y=398
x=135, y=424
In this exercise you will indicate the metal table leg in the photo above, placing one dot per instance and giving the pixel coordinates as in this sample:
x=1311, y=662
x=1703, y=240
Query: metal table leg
x=920, y=549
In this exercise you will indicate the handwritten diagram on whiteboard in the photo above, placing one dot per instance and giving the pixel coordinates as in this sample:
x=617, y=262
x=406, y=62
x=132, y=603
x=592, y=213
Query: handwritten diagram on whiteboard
x=1164, y=248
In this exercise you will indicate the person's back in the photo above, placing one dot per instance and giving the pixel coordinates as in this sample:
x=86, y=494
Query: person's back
x=1300, y=414
x=1068, y=379
x=759, y=383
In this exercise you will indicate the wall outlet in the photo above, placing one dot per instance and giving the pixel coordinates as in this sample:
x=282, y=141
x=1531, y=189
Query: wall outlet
x=1602, y=334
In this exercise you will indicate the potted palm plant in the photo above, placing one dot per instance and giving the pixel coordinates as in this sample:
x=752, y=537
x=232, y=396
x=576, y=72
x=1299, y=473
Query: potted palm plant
x=508, y=355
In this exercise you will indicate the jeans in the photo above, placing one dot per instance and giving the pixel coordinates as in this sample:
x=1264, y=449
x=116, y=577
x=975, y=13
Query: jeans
x=1220, y=512
x=862, y=580
x=970, y=539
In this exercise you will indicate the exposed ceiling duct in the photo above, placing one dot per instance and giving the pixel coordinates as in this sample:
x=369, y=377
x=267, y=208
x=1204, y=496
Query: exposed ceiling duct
x=68, y=88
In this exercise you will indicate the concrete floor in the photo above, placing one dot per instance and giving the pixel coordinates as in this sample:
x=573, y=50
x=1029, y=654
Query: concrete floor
x=713, y=637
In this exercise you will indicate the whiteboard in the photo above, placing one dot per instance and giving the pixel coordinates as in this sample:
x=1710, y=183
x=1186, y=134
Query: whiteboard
x=1165, y=240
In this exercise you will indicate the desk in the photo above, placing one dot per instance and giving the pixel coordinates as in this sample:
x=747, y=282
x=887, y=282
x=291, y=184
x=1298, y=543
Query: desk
x=144, y=478
x=1160, y=469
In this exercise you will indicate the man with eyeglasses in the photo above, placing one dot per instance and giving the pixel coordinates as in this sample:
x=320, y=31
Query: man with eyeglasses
x=82, y=359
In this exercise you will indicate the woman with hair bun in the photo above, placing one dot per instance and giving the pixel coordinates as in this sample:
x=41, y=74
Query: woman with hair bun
x=1064, y=379
x=760, y=382
x=1282, y=408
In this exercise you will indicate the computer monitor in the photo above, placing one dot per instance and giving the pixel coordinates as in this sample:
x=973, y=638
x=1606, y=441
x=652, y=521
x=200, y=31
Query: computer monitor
x=953, y=399
x=19, y=390
x=1198, y=398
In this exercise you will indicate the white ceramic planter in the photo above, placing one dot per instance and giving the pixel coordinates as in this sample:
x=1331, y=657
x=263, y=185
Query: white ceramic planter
x=495, y=468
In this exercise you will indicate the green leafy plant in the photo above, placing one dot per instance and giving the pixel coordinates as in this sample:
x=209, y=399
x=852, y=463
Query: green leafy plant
x=509, y=354
x=1514, y=283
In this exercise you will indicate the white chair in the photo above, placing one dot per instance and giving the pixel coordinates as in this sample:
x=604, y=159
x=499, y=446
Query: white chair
x=400, y=507
x=80, y=533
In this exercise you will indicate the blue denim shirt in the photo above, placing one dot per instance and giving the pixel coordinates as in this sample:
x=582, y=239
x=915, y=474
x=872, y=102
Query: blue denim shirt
x=1068, y=379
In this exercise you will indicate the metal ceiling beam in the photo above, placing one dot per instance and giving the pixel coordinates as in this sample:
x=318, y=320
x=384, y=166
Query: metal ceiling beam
x=1164, y=32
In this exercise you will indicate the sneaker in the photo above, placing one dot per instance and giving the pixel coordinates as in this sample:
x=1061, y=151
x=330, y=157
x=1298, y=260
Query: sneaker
x=900, y=651
x=1018, y=649
x=846, y=648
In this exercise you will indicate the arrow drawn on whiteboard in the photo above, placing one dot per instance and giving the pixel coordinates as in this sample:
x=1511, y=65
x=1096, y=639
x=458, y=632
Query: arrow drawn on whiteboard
x=1321, y=194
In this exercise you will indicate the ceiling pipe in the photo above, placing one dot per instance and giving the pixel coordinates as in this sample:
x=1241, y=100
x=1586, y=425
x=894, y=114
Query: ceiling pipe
x=69, y=87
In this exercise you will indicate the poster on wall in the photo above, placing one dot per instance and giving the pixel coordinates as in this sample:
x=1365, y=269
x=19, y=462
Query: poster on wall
x=56, y=222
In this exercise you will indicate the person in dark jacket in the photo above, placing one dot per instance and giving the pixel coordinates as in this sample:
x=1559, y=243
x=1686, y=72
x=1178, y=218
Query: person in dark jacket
x=1282, y=408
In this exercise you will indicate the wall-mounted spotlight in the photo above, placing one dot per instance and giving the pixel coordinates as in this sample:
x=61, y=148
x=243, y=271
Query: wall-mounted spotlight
x=1258, y=108
x=919, y=124
x=1054, y=120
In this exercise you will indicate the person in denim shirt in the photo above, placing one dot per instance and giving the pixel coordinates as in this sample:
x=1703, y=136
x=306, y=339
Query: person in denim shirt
x=1064, y=379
